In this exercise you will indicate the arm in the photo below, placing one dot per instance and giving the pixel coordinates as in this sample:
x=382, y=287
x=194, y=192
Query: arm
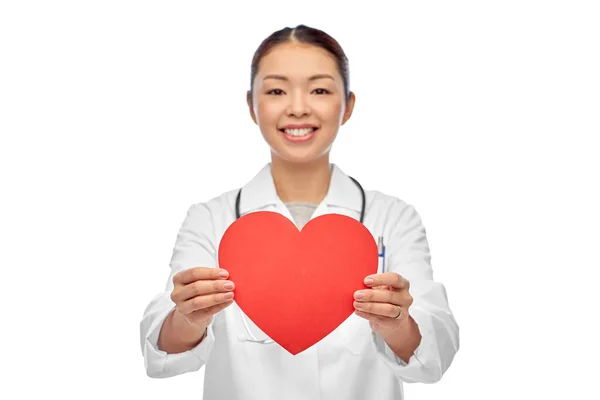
x=405, y=340
x=169, y=346
x=178, y=336
x=424, y=346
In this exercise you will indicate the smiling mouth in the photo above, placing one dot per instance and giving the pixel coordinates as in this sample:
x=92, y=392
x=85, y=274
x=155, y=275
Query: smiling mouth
x=299, y=132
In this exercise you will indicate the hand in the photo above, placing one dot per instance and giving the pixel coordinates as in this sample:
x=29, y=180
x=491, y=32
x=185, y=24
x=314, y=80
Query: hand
x=386, y=304
x=200, y=293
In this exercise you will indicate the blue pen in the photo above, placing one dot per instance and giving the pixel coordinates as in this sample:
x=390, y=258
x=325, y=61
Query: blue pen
x=381, y=254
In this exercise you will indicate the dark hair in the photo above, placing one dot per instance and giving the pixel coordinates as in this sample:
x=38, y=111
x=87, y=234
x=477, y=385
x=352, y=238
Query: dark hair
x=303, y=34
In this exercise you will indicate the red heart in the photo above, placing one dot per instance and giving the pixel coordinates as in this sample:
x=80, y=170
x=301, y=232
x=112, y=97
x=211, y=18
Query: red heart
x=297, y=286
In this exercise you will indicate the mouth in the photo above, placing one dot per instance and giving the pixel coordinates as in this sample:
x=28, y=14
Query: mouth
x=299, y=133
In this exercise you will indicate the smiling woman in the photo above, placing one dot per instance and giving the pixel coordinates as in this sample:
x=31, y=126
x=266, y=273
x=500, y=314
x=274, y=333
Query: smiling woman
x=401, y=330
x=299, y=93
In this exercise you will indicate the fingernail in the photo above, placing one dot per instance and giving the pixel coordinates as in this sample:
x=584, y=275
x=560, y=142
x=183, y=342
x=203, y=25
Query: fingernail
x=223, y=274
x=368, y=281
x=359, y=295
x=228, y=286
x=228, y=296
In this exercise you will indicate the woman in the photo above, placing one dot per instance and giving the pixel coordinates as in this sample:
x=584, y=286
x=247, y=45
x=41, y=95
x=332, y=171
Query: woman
x=402, y=329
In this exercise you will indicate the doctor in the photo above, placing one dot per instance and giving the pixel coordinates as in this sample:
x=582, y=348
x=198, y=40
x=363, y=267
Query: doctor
x=402, y=329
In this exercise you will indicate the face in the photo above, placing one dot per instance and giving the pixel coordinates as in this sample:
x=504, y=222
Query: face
x=299, y=102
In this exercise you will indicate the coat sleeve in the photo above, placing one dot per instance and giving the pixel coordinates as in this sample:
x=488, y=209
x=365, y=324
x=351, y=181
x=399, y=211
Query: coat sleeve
x=408, y=254
x=194, y=247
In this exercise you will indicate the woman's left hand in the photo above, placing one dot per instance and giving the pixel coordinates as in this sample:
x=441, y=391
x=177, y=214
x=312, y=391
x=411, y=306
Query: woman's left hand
x=386, y=303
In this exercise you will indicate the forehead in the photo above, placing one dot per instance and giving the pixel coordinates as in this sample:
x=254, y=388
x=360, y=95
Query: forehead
x=298, y=59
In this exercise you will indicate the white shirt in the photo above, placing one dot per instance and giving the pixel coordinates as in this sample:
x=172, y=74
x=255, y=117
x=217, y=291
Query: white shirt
x=352, y=363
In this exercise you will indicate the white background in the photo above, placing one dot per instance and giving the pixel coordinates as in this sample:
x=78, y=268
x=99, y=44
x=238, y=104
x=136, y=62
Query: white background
x=116, y=116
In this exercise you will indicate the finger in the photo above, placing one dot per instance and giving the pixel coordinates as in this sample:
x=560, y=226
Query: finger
x=201, y=288
x=207, y=312
x=401, y=298
x=199, y=273
x=379, y=309
x=379, y=296
x=388, y=278
x=204, y=302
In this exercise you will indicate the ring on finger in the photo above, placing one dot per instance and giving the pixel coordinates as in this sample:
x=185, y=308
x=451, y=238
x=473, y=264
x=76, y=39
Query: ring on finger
x=400, y=312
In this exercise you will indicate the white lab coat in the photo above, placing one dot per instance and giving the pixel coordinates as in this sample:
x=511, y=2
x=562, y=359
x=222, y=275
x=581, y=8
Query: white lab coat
x=350, y=363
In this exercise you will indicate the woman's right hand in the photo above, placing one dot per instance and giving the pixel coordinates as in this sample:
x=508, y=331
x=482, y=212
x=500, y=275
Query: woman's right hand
x=201, y=292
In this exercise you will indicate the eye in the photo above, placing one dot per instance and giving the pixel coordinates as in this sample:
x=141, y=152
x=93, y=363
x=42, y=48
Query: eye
x=321, y=91
x=276, y=92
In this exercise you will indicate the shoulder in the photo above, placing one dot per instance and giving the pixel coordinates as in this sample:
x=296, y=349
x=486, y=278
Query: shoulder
x=382, y=200
x=216, y=205
x=205, y=220
x=393, y=210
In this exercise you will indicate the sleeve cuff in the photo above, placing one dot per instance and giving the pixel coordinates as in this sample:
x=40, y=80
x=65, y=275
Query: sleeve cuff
x=424, y=364
x=161, y=364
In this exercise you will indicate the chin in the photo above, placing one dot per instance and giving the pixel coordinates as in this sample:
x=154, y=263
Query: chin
x=299, y=157
x=296, y=153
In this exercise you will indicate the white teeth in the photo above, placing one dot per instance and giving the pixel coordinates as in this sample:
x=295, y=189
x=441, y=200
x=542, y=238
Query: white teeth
x=299, y=132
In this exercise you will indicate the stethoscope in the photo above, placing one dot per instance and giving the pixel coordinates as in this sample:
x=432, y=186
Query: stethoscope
x=237, y=216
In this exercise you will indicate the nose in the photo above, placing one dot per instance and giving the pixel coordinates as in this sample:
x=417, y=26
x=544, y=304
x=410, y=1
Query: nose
x=298, y=105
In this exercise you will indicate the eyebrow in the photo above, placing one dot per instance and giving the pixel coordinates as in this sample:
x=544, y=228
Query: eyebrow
x=312, y=78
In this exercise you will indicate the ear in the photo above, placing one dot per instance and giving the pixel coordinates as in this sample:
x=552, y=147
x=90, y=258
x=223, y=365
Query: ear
x=349, y=108
x=251, y=106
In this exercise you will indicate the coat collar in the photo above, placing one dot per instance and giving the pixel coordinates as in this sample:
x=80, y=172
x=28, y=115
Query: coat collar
x=260, y=192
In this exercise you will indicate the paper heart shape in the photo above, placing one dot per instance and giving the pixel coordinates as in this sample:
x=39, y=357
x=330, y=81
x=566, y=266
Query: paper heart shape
x=297, y=286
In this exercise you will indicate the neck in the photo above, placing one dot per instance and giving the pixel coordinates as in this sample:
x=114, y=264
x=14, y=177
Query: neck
x=301, y=182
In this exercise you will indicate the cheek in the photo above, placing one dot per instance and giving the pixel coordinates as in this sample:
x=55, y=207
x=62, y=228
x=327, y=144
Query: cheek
x=268, y=113
x=332, y=112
